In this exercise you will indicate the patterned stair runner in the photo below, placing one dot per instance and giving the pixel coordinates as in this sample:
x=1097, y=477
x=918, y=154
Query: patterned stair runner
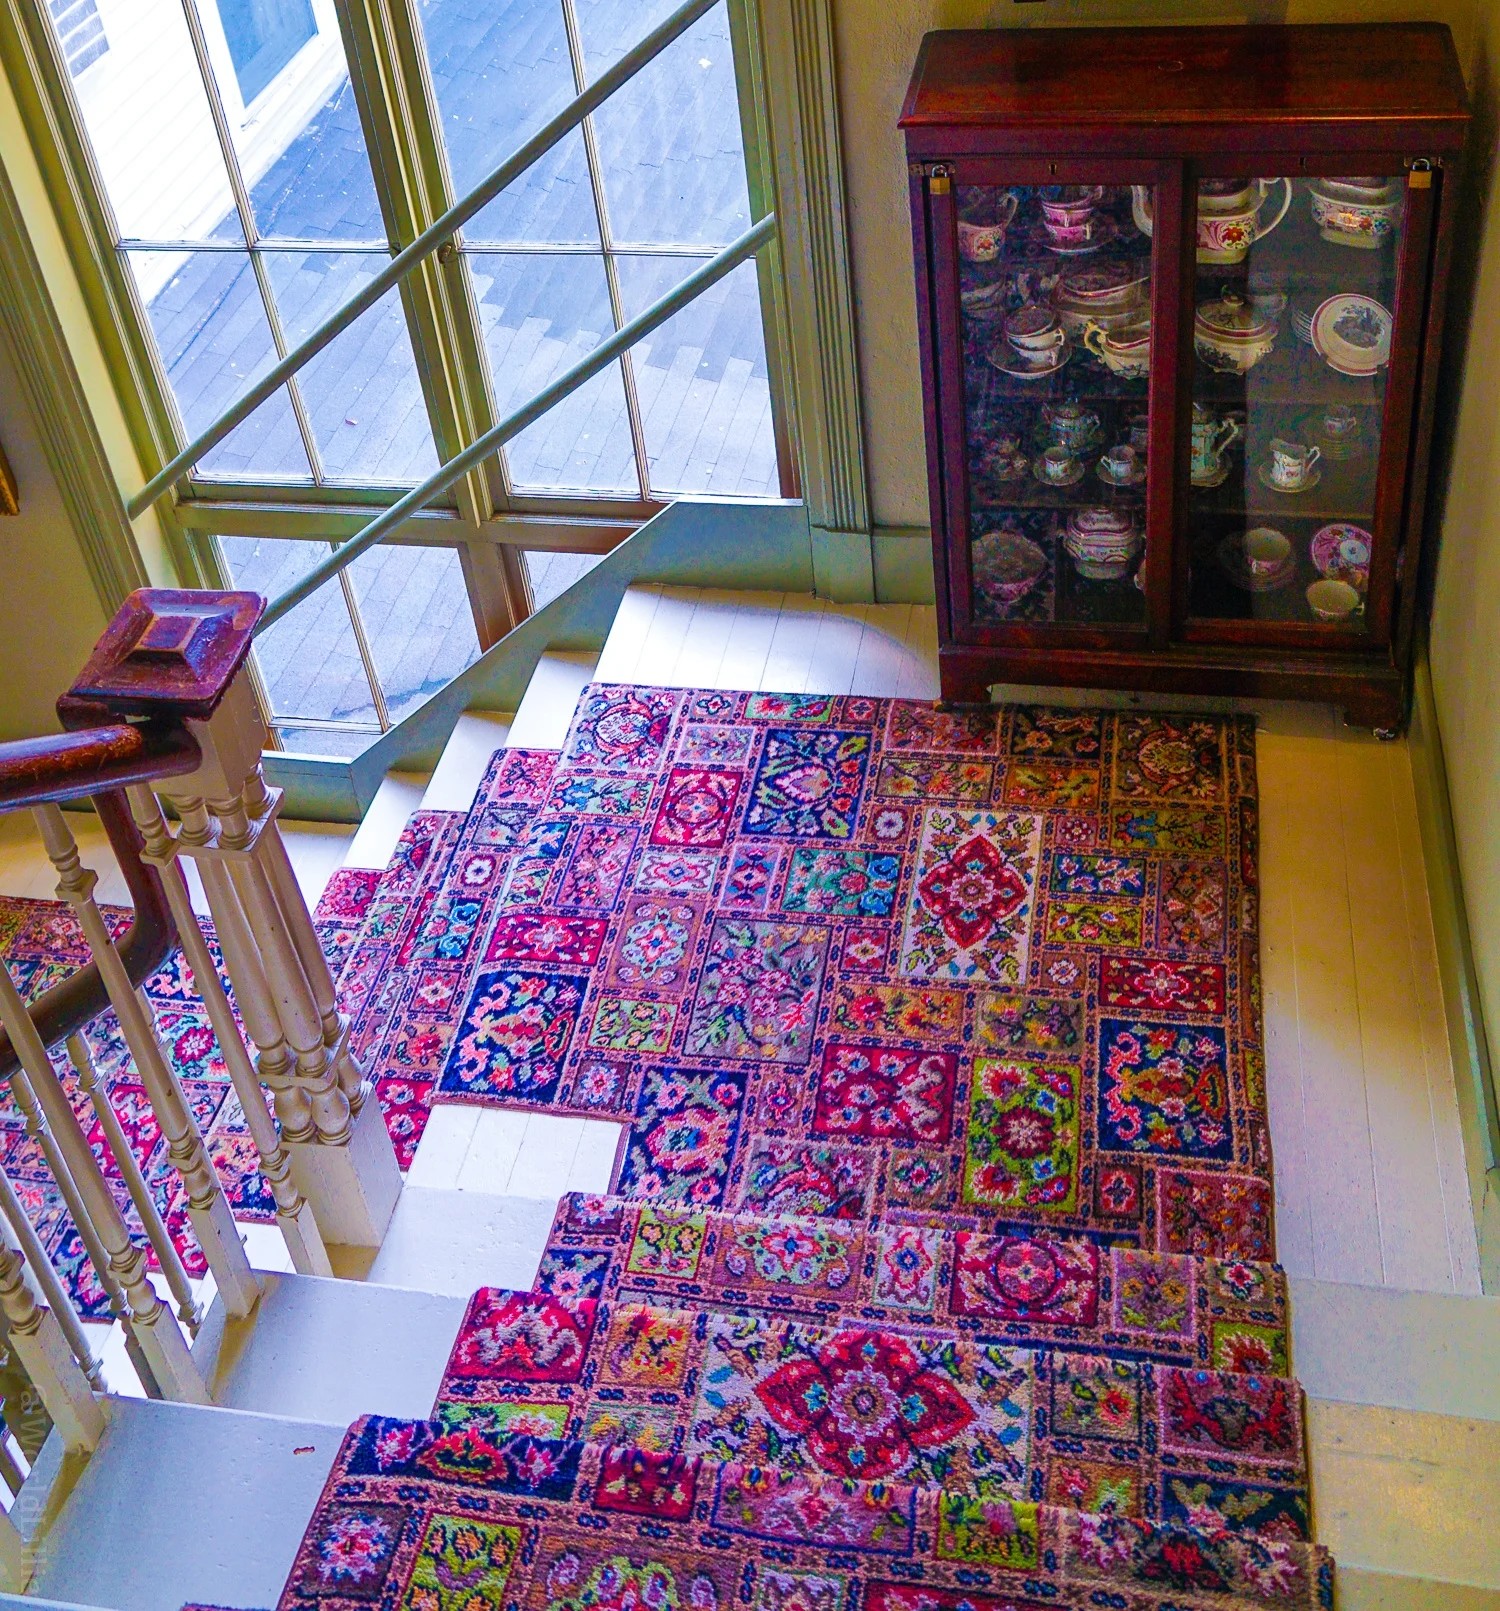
x=416, y=1516
x=937, y=1270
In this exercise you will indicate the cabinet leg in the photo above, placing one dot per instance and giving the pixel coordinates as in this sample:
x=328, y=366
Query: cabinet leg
x=961, y=683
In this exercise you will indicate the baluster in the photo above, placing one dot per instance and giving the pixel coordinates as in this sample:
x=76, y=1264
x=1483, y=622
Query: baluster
x=259, y=805
x=43, y=1351
x=167, y=1354
x=207, y=1207
x=120, y=1149
x=293, y=1212
x=24, y=1240
x=180, y=658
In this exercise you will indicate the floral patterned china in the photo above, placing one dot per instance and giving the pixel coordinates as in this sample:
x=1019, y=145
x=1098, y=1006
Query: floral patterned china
x=1249, y=560
x=1352, y=334
x=1342, y=552
x=1007, y=565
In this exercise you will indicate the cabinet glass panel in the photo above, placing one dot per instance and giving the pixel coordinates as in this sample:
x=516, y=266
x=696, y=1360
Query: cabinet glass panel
x=1056, y=306
x=1296, y=298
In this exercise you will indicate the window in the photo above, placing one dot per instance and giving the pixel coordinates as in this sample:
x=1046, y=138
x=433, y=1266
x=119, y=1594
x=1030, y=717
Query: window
x=263, y=36
x=237, y=228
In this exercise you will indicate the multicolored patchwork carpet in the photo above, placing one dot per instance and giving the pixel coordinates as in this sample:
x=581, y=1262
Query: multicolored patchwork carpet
x=851, y=957
x=936, y=1269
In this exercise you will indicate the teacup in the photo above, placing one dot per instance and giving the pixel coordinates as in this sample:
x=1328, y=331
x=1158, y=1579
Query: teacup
x=1140, y=432
x=1120, y=463
x=1266, y=551
x=980, y=240
x=1058, y=465
x=1340, y=423
x=1070, y=235
x=1291, y=464
x=1034, y=331
x=1332, y=600
x=1072, y=204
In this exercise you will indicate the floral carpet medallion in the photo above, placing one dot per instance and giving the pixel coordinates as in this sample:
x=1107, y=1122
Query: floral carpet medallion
x=562, y=1526
x=875, y=1402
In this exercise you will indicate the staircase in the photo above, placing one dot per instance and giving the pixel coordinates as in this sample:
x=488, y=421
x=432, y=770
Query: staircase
x=502, y=1214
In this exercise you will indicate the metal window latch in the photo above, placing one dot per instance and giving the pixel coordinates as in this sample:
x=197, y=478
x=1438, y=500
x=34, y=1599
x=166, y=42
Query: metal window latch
x=1419, y=174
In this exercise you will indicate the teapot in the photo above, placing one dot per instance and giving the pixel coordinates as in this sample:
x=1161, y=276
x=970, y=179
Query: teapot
x=1233, y=334
x=1228, y=224
x=1212, y=438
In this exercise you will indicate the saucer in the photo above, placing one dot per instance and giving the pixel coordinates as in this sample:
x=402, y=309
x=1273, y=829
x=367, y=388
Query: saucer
x=1352, y=334
x=1342, y=553
x=1107, y=232
x=1109, y=480
x=1234, y=565
x=1008, y=361
x=1079, y=468
x=1217, y=479
x=1015, y=469
x=1263, y=475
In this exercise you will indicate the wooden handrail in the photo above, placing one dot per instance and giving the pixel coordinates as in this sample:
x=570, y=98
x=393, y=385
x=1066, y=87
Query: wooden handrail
x=99, y=762
x=72, y=766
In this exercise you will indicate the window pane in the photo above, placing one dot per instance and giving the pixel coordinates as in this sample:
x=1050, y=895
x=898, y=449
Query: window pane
x=500, y=71
x=703, y=384
x=303, y=158
x=417, y=619
x=309, y=661
x=669, y=140
x=361, y=392
x=552, y=573
x=146, y=114
x=541, y=314
x=263, y=37
x=211, y=330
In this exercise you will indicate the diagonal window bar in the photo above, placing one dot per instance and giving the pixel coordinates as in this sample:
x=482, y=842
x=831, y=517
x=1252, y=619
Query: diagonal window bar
x=436, y=235
x=606, y=352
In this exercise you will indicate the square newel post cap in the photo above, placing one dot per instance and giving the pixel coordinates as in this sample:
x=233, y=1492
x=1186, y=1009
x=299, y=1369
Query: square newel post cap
x=170, y=654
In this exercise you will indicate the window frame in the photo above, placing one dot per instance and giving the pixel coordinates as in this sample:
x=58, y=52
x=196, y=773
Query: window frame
x=791, y=150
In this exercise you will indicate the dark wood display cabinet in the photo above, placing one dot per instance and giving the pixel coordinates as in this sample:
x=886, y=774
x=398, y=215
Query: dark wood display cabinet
x=1181, y=295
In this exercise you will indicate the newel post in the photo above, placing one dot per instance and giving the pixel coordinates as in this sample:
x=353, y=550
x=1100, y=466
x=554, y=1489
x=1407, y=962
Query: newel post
x=180, y=656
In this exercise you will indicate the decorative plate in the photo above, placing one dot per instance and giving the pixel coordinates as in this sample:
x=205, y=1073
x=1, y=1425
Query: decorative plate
x=1108, y=230
x=1342, y=553
x=1352, y=334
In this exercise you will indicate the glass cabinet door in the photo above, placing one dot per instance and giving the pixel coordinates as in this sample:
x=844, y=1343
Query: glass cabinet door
x=1055, y=292
x=1294, y=327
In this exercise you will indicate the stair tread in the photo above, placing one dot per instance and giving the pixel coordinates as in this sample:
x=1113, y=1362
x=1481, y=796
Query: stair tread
x=726, y=1525
x=870, y=1400
x=1032, y=1286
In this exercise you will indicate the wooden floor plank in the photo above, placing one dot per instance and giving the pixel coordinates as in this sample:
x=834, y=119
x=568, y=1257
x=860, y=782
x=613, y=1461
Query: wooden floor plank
x=669, y=630
x=1284, y=1073
x=790, y=656
x=749, y=645
x=1413, y=1228
x=1342, y=1199
x=881, y=663
x=707, y=637
x=621, y=656
x=836, y=649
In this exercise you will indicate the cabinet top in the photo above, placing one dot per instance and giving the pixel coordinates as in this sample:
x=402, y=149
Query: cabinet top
x=1385, y=73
